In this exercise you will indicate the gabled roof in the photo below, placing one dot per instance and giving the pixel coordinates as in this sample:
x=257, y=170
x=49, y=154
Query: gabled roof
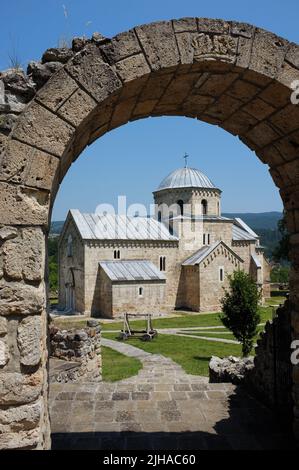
x=132, y=270
x=120, y=227
x=239, y=234
x=240, y=224
x=205, y=251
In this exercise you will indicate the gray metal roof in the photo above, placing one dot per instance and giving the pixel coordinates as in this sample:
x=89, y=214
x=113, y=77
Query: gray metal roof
x=120, y=227
x=203, y=252
x=245, y=227
x=256, y=260
x=186, y=178
x=132, y=270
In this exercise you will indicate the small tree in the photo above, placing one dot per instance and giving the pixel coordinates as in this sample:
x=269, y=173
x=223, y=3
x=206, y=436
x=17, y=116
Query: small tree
x=240, y=309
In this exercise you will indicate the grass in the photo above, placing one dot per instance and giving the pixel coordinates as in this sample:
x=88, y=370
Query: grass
x=117, y=366
x=225, y=334
x=192, y=354
x=184, y=321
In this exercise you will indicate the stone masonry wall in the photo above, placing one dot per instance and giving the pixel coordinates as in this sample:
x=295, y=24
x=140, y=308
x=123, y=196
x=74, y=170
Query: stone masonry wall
x=82, y=346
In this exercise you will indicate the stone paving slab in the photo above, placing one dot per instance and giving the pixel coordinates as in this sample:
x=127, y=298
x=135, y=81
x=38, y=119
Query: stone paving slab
x=161, y=408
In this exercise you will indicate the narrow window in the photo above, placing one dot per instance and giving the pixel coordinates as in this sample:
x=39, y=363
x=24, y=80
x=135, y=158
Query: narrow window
x=70, y=245
x=115, y=254
x=221, y=274
x=180, y=203
x=171, y=223
x=140, y=291
x=118, y=254
x=159, y=216
x=204, y=239
x=162, y=263
x=208, y=238
x=204, y=207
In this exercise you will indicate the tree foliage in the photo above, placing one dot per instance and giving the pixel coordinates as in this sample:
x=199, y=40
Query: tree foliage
x=240, y=312
x=281, y=253
x=53, y=263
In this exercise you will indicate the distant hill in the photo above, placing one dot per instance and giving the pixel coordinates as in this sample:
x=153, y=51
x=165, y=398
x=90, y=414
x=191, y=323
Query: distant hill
x=56, y=227
x=261, y=220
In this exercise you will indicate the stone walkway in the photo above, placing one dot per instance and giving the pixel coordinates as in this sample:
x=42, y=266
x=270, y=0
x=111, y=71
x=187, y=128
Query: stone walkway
x=161, y=408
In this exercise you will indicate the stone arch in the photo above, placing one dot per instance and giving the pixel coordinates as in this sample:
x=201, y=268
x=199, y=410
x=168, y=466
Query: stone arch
x=229, y=74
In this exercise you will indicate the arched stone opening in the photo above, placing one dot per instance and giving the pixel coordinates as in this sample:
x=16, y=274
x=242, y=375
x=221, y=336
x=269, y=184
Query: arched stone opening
x=230, y=74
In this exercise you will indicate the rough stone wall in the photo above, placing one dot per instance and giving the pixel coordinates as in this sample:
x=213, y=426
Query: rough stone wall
x=125, y=298
x=225, y=73
x=103, y=251
x=82, y=346
x=211, y=288
x=271, y=377
x=190, y=288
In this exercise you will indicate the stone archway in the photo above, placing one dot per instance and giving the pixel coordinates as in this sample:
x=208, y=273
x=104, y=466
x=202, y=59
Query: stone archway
x=230, y=74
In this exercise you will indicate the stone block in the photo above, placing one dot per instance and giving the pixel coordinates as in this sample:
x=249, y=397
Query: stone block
x=258, y=108
x=268, y=52
x=58, y=89
x=24, y=257
x=3, y=326
x=243, y=91
x=43, y=129
x=23, y=164
x=121, y=46
x=23, y=205
x=292, y=55
x=77, y=108
x=20, y=440
x=18, y=389
x=186, y=49
x=185, y=24
x=20, y=418
x=4, y=353
x=29, y=340
x=20, y=299
x=159, y=44
x=262, y=134
x=132, y=68
x=214, y=26
x=287, y=119
x=95, y=75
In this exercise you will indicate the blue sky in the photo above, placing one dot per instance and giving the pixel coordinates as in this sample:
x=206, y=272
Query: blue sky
x=133, y=159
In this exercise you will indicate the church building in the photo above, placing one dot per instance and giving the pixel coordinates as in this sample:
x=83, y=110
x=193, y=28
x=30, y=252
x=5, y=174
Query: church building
x=179, y=258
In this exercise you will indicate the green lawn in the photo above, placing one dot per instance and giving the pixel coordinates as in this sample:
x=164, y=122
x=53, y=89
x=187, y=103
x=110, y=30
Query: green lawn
x=222, y=334
x=116, y=366
x=184, y=321
x=192, y=354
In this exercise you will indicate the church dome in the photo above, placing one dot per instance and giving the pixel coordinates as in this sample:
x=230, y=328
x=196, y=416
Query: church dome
x=186, y=178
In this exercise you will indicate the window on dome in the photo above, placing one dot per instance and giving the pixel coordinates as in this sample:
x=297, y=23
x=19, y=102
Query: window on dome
x=159, y=216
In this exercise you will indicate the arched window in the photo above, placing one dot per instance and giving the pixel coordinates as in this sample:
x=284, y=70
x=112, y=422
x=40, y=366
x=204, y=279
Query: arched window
x=180, y=203
x=204, y=207
x=70, y=245
x=140, y=291
x=159, y=216
x=162, y=263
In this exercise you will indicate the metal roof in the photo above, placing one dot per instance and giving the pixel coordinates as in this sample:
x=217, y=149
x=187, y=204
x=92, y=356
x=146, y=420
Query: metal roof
x=186, y=178
x=120, y=227
x=203, y=252
x=132, y=270
x=245, y=227
x=256, y=260
x=239, y=234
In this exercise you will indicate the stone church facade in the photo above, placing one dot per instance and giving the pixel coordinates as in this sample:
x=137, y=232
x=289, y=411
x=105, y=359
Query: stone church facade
x=178, y=259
